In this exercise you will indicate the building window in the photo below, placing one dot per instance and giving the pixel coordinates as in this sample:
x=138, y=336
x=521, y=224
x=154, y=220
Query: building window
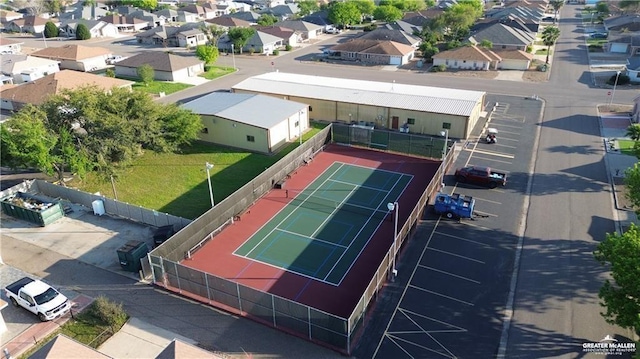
x=205, y=130
x=310, y=108
x=411, y=121
x=296, y=124
x=251, y=138
x=446, y=125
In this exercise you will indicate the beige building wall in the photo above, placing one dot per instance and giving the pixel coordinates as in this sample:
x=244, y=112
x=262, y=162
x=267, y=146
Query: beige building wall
x=234, y=134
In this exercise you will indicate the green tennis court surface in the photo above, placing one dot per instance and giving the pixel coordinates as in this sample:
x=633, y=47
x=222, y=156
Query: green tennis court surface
x=323, y=230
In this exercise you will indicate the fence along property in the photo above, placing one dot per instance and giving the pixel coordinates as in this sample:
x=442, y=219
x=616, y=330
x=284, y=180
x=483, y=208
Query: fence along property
x=324, y=328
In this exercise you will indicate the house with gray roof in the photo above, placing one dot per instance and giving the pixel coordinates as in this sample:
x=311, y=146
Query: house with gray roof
x=31, y=24
x=288, y=36
x=186, y=35
x=282, y=12
x=623, y=43
x=228, y=22
x=306, y=29
x=97, y=28
x=79, y=11
x=385, y=34
x=249, y=16
x=166, y=66
x=24, y=68
x=259, y=43
x=627, y=23
x=169, y=15
x=125, y=23
x=254, y=122
x=504, y=37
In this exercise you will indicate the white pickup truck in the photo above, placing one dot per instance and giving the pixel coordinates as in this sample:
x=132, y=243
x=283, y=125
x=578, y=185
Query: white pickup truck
x=39, y=298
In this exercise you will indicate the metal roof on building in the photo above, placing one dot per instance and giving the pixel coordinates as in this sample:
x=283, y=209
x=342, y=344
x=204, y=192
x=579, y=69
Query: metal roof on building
x=256, y=110
x=381, y=94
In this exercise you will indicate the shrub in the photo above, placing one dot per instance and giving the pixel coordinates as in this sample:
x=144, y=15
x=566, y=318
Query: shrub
x=439, y=68
x=370, y=27
x=82, y=32
x=288, y=47
x=529, y=48
x=50, y=30
x=622, y=80
x=110, y=73
x=276, y=52
x=111, y=313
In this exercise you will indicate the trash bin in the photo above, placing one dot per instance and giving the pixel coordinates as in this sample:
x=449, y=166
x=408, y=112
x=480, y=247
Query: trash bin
x=162, y=234
x=130, y=254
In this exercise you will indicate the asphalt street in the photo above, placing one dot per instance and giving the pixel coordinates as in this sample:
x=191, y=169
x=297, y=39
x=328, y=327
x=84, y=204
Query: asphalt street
x=555, y=305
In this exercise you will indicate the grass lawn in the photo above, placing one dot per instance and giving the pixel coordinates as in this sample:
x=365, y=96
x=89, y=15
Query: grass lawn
x=626, y=147
x=213, y=72
x=176, y=183
x=600, y=42
x=160, y=86
x=543, y=52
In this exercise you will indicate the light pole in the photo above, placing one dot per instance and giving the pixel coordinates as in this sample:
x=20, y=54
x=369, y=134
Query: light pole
x=233, y=56
x=445, y=133
x=394, y=207
x=209, y=166
x=614, y=87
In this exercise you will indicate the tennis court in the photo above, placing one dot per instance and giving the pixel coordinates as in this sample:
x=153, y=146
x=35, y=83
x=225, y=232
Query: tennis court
x=324, y=228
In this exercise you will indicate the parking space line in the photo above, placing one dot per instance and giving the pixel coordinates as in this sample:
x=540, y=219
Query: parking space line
x=491, y=153
x=505, y=125
x=458, y=329
x=393, y=339
x=509, y=132
x=456, y=255
x=486, y=200
x=447, y=273
x=466, y=223
x=492, y=160
x=441, y=295
x=509, y=139
x=503, y=145
x=462, y=239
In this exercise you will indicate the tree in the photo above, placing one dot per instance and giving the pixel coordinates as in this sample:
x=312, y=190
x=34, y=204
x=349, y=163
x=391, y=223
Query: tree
x=621, y=298
x=366, y=7
x=207, y=53
x=267, y=20
x=428, y=50
x=110, y=73
x=486, y=44
x=633, y=132
x=240, y=35
x=50, y=30
x=632, y=181
x=387, y=13
x=91, y=129
x=549, y=36
x=146, y=73
x=141, y=4
x=307, y=7
x=213, y=33
x=632, y=6
x=556, y=5
x=344, y=13
x=82, y=32
x=53, y=6
x=602, y=7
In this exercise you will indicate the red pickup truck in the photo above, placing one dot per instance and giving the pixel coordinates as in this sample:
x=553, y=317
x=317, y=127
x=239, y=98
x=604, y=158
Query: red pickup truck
x=481, y=175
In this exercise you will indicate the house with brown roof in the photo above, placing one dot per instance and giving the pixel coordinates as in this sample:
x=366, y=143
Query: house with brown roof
x=374, y=52
x=8, y=46
x=467, y=58
x=7, y=15
x=228, y=22
x=36, y=92
x=167, y=67
x=514, y=59
x=77, y=57
x=308, y=30
x=203, y=13
x=29, y=24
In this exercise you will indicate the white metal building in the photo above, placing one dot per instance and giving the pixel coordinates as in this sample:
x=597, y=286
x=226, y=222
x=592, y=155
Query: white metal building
x=254, y=122
x=421, y=109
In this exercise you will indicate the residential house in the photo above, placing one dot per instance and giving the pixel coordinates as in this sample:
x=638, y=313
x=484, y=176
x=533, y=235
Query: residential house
x=76, y=57
x=188, y=17
x=78, y=11
x=97, y=28
x=374, y=52
x=268, y=3
x=282, y=12
x=8, y=46
x=623, y=23
x=152, y=19
x=125, y=23
x=320, y=18
x=467, y=58
x=30, y=24
x=249, y=16
x=189, y=33
x=404, y=26
x=504, y=37
x=36, y=92
x=228, y=22
x=167, y=67
x=169, y=15
x=191, y=38
x=258, y=123
x=7, y=16
x=633, y=69
x=204, y=13
x=514, y=22
x=514, y=59
x=307, y=30
x=420, y=18
x=23, y=68
x=288, y=36
x=385, y=34
x=623, y=43
x=260, y=43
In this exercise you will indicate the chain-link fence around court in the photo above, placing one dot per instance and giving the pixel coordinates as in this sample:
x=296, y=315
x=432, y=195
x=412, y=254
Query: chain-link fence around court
x=282, y=313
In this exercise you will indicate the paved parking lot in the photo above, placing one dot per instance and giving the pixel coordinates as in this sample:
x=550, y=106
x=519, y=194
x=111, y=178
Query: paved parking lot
x=454, y=303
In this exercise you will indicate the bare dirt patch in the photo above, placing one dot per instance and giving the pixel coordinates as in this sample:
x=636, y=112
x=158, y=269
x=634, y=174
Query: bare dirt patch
x=535, y=76
x=621, y=194
x=468, y=73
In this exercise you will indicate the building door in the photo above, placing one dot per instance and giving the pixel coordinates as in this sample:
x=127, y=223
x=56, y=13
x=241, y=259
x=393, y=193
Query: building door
x=394, y=122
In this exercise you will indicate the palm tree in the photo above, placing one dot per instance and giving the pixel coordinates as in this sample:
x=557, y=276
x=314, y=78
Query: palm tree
x=549, y=36
x=633, y=132
x=556, y=5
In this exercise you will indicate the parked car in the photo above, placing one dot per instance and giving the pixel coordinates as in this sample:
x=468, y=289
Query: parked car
x=548, y=19
x=332, y=30
x=599, y=35
x=39, y=298
x=481, y=175
x=112, y=60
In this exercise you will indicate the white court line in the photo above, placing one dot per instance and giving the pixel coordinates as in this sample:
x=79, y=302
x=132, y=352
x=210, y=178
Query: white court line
x=475, y=150
x=312, y=238
x=353, y=184
x=463, y=239
x=457, y=255
x=449, y=273
x=442, y=295
x=490, y=159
